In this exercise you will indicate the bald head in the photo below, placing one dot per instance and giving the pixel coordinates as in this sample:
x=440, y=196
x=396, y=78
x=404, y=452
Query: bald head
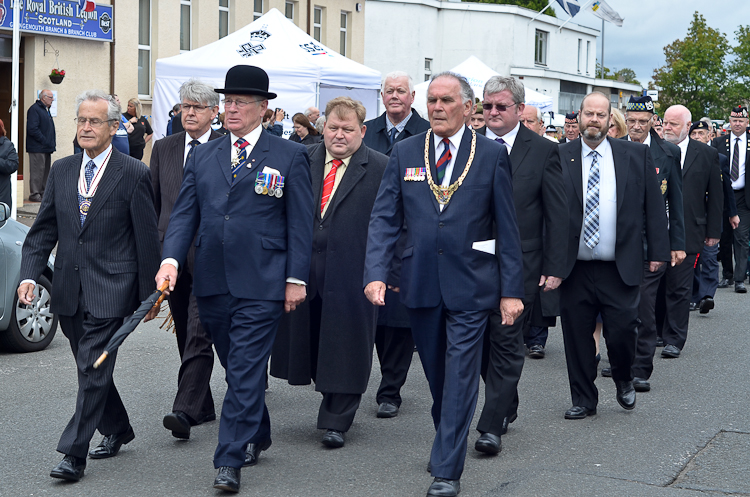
x=532, y=119
x=46, y=97
x=677, y=120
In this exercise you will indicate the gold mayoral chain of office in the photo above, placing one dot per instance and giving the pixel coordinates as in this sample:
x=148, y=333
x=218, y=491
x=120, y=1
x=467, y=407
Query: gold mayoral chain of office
x=88, y=193
x=443, y=194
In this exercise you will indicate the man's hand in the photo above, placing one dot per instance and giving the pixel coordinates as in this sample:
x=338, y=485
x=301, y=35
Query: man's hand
x=167, y=272
x=510, y=308
x=710, y=241
x=549, y=282
x=734, y=221
x=280, y=116
x=375, y=292
x=26, y=293
x=294, y=296
x=654, y=266
x=677, y=257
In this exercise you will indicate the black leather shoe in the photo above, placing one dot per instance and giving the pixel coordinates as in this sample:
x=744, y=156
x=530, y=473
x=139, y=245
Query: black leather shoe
x=740, y=288
x=70, y=468
x=607, y=372
x=579, y=412
x=441, y=487
x=507, y=421
x=659, y=342
x=204, y=419
x=333, y=439
x=179, y=423
x=692, y=307
x=536, y=351
x=387, y=410
x=488, y=443
x=625, y=394
x=227, y=479
x=671, y=352
x=641, y=385
x=706, y=304
x=725, y=282
x=110, y=444
x=252, y=453
x=429, y=466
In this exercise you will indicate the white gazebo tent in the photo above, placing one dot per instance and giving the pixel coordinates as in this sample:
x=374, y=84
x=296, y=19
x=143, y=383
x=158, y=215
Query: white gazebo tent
x=302, y=71
x=477, y=73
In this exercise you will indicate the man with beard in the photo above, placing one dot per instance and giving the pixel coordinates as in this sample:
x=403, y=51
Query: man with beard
x=614, y=203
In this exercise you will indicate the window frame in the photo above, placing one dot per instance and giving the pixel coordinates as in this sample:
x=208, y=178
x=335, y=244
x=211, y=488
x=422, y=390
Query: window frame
x=541, y=42
x=189, y=4
x=318, y=25
x=343, y=33
x=223, y=9
x=145, y=48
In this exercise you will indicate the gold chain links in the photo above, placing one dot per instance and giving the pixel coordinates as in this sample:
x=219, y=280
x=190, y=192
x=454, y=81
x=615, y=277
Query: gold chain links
x=443, y=195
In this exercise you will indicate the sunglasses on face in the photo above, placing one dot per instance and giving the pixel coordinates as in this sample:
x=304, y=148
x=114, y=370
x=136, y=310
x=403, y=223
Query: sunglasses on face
x=500, y=108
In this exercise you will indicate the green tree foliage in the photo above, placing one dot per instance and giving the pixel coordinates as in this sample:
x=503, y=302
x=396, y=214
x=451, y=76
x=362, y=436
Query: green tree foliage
x=537, y=5
x=626, y=74
x=739, y=68
x=695, y=73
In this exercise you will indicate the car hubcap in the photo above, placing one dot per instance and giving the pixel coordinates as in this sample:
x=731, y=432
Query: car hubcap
x=35, y=320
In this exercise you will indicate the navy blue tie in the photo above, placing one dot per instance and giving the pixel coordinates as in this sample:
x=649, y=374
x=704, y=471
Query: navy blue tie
x=83, y=203
x=392, y=134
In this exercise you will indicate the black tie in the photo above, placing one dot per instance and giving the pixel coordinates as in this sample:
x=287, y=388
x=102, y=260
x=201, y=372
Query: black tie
x=392, y=134
x=193, y=144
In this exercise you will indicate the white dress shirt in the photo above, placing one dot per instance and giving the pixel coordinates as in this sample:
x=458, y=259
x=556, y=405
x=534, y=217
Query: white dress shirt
x=455, y=141
x=740, y=183
x=509, y=138
x=605, y=249
x=683, y=150
x=202, y=139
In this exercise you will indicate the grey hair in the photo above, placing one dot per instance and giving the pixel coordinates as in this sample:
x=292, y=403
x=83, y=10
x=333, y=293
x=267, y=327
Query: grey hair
x=113, y=108
x=467, y=94
x=496, y=84
x=307, y=112
x=396, y=75
x=196, y=90
x=320, y=124
x=538, y=112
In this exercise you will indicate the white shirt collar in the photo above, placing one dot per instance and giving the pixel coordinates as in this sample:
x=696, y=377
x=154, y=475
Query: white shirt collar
x=742, y=138
x=455, y=140
x=647, y=141
x=603, y=148
x=509, y=138
x=202, y=139
x=251, y=138
x=98, y=160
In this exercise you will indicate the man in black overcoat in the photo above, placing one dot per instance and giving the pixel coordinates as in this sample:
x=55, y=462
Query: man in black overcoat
x=329, y=338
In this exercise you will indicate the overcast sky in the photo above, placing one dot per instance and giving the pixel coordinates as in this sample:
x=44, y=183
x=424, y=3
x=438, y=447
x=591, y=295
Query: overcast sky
x=650, y=25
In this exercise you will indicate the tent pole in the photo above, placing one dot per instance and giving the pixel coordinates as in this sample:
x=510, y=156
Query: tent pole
x=15, y=80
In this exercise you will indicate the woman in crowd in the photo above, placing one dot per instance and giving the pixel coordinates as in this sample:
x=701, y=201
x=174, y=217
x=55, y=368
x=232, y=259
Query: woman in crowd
x=304, y=132
x=8, y=165
x=617, y=128
x=142, y=131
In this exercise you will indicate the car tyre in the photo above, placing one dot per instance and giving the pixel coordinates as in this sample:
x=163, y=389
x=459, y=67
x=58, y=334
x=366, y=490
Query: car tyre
x=33, y=327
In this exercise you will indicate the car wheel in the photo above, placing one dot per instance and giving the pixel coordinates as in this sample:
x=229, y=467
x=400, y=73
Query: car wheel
x=32, y=327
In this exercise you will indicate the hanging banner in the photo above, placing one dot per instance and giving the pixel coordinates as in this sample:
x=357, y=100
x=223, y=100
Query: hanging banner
x=60, y=18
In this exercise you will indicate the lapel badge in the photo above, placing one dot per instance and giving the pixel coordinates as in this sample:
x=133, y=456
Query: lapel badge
x=663, y=186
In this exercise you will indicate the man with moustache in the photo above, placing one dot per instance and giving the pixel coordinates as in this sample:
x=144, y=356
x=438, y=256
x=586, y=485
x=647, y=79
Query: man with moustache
x=193, y=404
x=571, y=127
x=541, y=208
x=462, y=258
x=703, y=201
x=614, y=204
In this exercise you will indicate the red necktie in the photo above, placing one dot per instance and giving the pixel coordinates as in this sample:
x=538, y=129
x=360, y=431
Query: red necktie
x=328, y=182
x=443, y=161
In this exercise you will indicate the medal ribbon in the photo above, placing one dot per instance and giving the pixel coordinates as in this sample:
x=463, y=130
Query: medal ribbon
x=88, y=192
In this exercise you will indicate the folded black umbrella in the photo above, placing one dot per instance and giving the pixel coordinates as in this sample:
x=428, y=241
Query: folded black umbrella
x=132, y=322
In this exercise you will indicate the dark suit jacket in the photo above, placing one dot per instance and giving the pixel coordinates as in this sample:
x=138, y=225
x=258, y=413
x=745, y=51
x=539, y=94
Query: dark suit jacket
x=247, y=244
x=723, y=145
x=377, y=132
x=439, y=263
x=166, y=175
x=640, y=207
x=730, y=204
x=347, y=327
x=40, y=130
x=703, y=195
x=541, y=206
x=114, y=257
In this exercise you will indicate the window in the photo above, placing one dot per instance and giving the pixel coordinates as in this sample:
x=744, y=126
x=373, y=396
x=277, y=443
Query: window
x=588, y=55
x=317, y=23
x=257, y=9
x=186, y=21
x=223, y=18
x=580, y=55
x=540, y=48
x=427, y=69
x=144, y=47
x=289, y=10
x=344, y=23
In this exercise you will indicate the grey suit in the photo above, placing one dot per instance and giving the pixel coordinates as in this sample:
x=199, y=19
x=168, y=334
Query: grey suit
x=103, y=270
x=193, y=343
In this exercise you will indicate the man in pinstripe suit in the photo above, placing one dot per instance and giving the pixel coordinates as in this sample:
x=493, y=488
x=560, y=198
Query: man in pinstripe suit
x=193, y=403
x=107, y=256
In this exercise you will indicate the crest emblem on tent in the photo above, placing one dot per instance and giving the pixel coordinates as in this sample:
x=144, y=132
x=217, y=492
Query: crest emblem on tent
x=313, y=48
x=260, y=34
x=248, y=49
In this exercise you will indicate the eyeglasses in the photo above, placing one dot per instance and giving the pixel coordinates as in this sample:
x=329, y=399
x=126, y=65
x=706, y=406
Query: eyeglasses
x=199, y=108
x=95, y=123
x=500, y=108
x=641, y=122
x=228, y=102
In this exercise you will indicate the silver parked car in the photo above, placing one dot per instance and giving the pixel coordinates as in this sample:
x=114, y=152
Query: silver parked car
x=23, y=328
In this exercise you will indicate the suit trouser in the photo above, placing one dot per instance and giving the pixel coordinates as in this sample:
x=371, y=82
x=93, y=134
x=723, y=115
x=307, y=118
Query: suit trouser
x=502, y=363
x=643, y=365
x=706, y=274
x=595, y=287
x=741, y=236
x=196, y=353
x=98, y=404
x=243, y=332
x=450, y=348
x=395, y=348
x=725, y=249
x=39, y=166
x=679, y=285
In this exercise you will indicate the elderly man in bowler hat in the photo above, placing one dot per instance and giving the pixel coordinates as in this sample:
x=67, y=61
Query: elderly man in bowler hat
x=248, y=198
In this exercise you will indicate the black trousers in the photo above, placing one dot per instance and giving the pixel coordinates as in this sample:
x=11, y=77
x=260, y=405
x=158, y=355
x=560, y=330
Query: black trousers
x=395, y=348
x=502, y=363
x=595, y=287
x=98, y=404
x=726, y=242
x=741, y=236
x=678, y=291
x=337, y=410
x=643, y=365
x=196, y=352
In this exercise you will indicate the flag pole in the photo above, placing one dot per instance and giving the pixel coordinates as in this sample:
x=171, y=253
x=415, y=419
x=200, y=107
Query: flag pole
x=602, y=70
x=15, y=57
x=541, y=11
x=571, y=18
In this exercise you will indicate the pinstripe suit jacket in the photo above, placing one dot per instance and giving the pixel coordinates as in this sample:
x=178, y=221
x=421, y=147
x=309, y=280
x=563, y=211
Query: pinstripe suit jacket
x=114, y=256
x=166, y=175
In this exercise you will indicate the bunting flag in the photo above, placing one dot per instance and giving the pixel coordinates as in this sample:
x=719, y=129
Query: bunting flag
x=602, y=10
x=86, y=5
x=571, y=7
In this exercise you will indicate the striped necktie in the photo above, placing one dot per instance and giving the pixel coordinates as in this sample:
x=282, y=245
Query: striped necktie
x=734, y=174
x=328, y=182
x=443, y=161
x=241, y=145
x=89, y=175
x=591, y=214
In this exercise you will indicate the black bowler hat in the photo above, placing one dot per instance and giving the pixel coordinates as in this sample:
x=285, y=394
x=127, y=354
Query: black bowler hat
x=246, y=80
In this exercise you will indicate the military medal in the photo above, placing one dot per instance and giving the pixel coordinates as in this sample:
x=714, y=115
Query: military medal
x=84, y=207
x=443, y=194
x=279, y=190
x=259, y=181
x=663, y=186
x=414, y=174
